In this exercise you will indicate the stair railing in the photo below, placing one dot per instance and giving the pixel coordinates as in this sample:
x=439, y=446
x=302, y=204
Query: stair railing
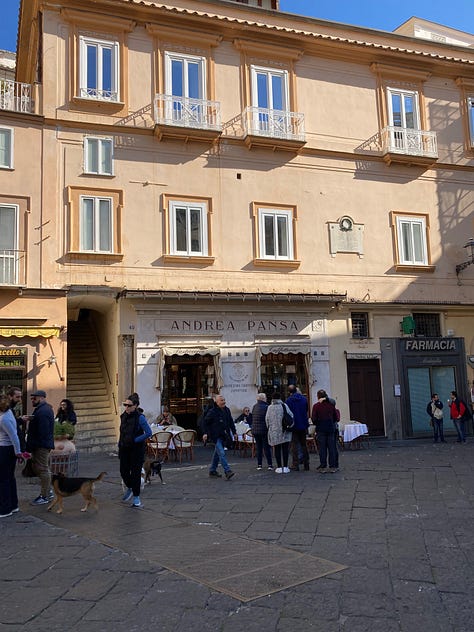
x=104, y=364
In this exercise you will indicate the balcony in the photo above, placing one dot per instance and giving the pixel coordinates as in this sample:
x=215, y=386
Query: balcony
x=277, y=129
x=16, y=96
x=409, y=146
x=12, y=266
x=186, y=119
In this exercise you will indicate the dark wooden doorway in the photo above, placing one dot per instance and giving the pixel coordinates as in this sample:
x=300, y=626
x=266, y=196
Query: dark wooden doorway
x=365, y=394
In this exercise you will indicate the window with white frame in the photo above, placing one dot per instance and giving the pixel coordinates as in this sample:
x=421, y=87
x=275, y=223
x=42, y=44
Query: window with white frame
x=275, y=233
x=411, y=237
x=6, y=148
x=470, y=110
x=185, y=83
x=188, y=228
x=270, y=100
x=99, y=69
x=9, y=217
x=403, y=108
x=96, y=224
x=98, y=156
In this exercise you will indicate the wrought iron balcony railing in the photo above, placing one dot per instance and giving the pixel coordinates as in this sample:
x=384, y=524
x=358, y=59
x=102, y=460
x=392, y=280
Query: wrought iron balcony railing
x=411, y=142
x=274, y=123
x=12, y=263
x=15, y=96
x=185, y=112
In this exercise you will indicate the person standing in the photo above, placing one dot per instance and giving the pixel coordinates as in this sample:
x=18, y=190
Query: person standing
x=298, y=404
x=260, y=431
x=458, y=412
x=134, y=431
x=324, y=418
x=10, y=451
x=219, y=428
x=14, y=397
x=434, y=408
x=40, y=441
x=277, y=437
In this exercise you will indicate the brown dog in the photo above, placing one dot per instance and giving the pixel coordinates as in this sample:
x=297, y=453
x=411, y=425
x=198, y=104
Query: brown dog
x=64, y=486
x=152, y=467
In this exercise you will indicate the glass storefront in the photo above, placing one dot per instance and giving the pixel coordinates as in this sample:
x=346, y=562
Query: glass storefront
x=279, y=370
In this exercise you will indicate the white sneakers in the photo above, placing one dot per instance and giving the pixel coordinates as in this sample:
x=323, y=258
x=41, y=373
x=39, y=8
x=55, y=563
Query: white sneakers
x=282, y=470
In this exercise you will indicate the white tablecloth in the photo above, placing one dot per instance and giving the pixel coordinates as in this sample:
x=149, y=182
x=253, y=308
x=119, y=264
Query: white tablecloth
x=353, y=431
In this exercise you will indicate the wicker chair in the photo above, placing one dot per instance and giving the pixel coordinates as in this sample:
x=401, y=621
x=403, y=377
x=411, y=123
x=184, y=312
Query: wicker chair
x=158, y=445
x=184, y=443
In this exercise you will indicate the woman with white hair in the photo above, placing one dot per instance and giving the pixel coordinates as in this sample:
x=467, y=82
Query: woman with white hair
x=260, y=431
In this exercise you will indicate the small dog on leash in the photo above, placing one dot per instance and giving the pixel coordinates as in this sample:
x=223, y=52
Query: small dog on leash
x=152, y=468
x=64, y=486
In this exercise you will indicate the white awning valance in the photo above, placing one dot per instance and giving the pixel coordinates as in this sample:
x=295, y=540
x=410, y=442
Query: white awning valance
x=191, y=351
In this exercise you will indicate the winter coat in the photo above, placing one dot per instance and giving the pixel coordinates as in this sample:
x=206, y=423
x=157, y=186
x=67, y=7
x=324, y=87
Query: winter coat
x=273, y=420
x=41, y=428
x=298, y=404
x=429, y=408
x=324, y=416
x=246, y=419
x=458, y=408
x=217, y=423
x=259, y=426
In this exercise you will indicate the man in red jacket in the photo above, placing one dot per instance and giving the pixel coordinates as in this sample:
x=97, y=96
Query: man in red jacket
x=458, y=412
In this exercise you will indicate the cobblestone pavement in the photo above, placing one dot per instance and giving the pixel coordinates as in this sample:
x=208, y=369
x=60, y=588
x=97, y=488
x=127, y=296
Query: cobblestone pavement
x=399, y=517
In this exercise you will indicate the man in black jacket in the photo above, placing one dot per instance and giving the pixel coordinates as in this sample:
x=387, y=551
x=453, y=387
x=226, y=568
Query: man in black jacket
x=219, y=428
x=40, y=441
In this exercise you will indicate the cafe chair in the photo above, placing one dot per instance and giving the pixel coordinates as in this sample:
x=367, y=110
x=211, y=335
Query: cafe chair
x=249, y=442
x=184, y=443
x=311, y=442
x=158, y=445
x=240, y=445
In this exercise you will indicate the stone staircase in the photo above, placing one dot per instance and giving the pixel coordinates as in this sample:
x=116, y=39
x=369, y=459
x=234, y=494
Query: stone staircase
x=97, y=423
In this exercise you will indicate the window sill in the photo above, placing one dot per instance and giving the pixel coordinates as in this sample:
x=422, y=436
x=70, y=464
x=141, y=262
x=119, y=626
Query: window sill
x=98, y=104
x=98, y=175
x=276, y=263
x=413, y=269
x=6, y=168
x=194, y=259
x=98, y=257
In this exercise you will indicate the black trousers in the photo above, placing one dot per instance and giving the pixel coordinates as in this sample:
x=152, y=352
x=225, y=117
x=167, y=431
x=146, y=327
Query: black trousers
x=131, y=463
x=299, y=440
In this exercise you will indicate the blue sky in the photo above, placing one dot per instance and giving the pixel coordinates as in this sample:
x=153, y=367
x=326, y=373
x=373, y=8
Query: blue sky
x=376, y=14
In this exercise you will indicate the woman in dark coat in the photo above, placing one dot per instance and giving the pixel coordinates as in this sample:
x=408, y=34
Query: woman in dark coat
x=66, y=412
x=260, y=431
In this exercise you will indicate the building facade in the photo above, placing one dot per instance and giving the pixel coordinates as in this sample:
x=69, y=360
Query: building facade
x=235, y=199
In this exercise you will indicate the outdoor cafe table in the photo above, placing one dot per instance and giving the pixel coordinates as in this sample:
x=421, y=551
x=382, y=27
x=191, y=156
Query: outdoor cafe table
x=353, y=431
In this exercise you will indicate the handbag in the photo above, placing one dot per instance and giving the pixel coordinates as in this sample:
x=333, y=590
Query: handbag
x=287, y=421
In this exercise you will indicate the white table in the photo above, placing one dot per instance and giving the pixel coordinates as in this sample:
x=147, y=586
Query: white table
x=353, y=431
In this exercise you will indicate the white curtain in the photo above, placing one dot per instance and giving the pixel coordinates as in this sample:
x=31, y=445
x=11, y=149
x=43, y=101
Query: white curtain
x=181, y=351
x=263, y=349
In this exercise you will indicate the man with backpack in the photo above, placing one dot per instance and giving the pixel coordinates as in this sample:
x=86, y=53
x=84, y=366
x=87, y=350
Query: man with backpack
x=459, y=414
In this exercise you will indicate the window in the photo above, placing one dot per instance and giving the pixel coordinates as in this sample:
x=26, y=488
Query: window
x=427, y=325
x=411, y=240
x=270, y=100
x=360, y=324
x=98, y=156
x=99, y=69
x=470, y=109
x=275, y=234
x=188, y=229
x=96, y=224
x=6, y=148
x=9, y=244
x=404, y=115
x=185, y=80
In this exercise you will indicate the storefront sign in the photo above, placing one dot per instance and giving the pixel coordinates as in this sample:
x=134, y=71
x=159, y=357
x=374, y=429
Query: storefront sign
x=435, y=344
x=196, y=325
x=12, y=357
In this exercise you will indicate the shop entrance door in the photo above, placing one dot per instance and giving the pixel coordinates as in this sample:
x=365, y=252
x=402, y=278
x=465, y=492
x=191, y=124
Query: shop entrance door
x=365, y=394
x=422, y=381
x=189, y=380
x=279, y=370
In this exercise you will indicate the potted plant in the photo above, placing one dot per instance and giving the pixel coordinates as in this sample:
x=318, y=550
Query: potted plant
x=63, y=430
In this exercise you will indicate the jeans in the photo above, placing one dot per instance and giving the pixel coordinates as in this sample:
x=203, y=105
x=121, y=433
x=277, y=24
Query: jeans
x=460, y=426
x=131, y=463
x=282, y=451
x=8, y=495
x=262, y=446
x=438, y=431
x=219, y=455
x=298, y=443
x=327, y=445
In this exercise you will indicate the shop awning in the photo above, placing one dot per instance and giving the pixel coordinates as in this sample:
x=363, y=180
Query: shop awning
x=30, y=332
x=181, y=351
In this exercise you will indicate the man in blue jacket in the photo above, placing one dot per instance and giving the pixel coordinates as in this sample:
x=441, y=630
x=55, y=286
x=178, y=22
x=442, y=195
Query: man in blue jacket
x=298, y=404
x=40, y=441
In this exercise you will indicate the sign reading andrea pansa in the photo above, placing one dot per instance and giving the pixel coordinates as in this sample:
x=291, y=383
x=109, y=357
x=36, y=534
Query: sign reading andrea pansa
x=250, y=325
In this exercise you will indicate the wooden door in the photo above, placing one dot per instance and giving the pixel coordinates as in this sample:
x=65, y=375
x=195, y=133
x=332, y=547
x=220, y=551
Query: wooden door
x=365, y=394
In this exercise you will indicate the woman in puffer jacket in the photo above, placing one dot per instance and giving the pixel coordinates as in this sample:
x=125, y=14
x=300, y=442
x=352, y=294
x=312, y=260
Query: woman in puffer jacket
x=277, y=438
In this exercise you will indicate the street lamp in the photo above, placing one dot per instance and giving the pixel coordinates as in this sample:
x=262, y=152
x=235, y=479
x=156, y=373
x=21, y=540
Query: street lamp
x=470, y=261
